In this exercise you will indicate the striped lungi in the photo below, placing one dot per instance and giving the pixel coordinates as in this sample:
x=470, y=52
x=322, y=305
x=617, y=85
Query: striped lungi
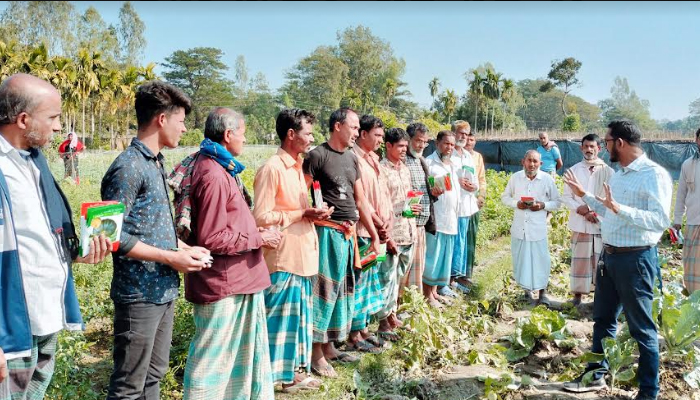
x=333, y=287
x=585, y=252
x=414, y=276
x=691, y=258
x=391, y=272
x=471, y=243
x=438, y=259
x=289, y=303
x=29, y=377
x=229, y=356
x=460, y=249
x=368, y=294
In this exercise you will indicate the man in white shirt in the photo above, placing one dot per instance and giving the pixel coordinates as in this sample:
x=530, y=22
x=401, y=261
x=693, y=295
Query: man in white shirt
x=37, y=241
x=468, y=206
x=531, y=192
x=688, y=203
x=586, y=243
x=440, y=246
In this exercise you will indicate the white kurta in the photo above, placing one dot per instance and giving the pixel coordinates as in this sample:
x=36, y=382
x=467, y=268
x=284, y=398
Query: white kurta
x=529, y=247
x=447, y=205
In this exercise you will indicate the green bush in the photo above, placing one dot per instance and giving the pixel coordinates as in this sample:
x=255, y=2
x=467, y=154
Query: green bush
x=192, y=138
x=572, y=123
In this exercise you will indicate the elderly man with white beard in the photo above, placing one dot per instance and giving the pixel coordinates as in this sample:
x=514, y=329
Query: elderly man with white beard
x=586, y=243
x=531, y=192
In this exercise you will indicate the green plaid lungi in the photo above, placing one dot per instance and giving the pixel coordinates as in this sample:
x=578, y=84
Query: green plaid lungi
x=289, y=305
x=368, y=294
x=334, y=287
x=691, y=258
x=471, y=243
x=229, y=355
x=29, y=377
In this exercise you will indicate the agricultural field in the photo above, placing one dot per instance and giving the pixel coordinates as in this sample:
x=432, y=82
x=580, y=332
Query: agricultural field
x=488, y=345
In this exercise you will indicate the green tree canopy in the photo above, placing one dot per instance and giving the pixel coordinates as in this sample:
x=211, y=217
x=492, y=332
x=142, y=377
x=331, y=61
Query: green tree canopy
x=199, y=72
x=625, y=104
x=563, y=75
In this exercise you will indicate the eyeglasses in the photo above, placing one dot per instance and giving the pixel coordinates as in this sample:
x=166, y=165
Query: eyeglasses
x=609, y=140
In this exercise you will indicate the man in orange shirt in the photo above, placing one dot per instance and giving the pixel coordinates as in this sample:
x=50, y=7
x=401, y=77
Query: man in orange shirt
x=281, y=203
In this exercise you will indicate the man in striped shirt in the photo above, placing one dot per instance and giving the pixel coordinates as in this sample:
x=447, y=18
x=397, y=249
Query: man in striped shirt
x=634, y=214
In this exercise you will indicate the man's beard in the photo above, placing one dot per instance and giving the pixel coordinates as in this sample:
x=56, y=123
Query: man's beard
x=461, y=143
x=531, y=173
x=589, y=157
x=445, y=156
x=614, y=157
x=414, y=153
x=34, y=138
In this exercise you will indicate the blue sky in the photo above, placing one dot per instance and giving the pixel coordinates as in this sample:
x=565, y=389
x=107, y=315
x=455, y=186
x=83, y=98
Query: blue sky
x=655, y=45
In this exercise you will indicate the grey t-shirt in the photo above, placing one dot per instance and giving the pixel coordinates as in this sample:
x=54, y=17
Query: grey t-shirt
x=337, y=173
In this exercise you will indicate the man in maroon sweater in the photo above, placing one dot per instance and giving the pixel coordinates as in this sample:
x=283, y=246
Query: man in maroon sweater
x=229, y=354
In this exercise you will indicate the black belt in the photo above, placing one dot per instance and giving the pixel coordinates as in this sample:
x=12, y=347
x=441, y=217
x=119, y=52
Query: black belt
x=617, y=250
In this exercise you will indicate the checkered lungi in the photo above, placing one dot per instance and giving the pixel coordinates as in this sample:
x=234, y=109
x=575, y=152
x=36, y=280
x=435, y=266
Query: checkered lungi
x=333, y=287
x=585, y=251
x=691, y=258
x=368, y=294
x=289, y=304
x=229, y=356
x=29, y=377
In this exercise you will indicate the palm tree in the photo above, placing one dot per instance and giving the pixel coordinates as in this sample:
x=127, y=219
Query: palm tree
x=389, y=88
x=449, y=102
x=492, y=90
x=434, y=87
x=508, y=92
x=476, y=87
x=88, y=81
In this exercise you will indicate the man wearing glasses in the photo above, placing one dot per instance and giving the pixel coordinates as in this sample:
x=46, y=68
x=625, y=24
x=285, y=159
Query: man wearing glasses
x=635, y=212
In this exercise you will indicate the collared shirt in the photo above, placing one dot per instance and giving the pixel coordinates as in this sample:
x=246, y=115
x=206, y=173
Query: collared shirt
x=281, y=196
x=445, y=207
x=44, y=274
x=578, y=223
x=418, y=183
x=480, y=173
x=530, y=225
x=643, y=190
x=549, y=158
x=467, y=200
x=399, y=179
x=688, y=197
x=223, y=223
x=137, y=179
x=374, y=184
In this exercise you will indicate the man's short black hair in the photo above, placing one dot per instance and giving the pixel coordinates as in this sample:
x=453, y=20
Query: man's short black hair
x=395, y=135
x=339, y=115
x=416, y=127
x=369, y=122
x=591, y=137
x=155, y=97
x=627, y=131
x=292, y=118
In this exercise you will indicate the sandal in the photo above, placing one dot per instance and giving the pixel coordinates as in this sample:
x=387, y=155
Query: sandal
x=344, y=358
x=389, y=335
x=376, y=341
x=306, y=384
x=362, y=346
x=328, y=371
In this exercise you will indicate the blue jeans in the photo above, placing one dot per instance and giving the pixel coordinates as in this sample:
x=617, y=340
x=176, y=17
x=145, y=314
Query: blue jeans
x=626, y=281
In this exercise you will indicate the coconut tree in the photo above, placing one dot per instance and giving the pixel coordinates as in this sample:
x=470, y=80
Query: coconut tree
x=492, y=90
x=434, y=87
x=476, y=88
x=88, y=80
x=449, y=103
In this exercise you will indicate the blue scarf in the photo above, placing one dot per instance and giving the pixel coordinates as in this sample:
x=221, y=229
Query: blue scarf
x=219, y=154
x=222, y=156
